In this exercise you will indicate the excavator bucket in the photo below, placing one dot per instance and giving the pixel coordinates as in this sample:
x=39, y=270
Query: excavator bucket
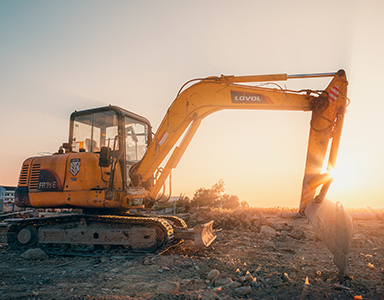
x=202, y=234
x=334, y=226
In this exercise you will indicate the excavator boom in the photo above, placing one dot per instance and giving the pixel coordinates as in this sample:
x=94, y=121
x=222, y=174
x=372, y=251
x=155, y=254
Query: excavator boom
x=213, y=94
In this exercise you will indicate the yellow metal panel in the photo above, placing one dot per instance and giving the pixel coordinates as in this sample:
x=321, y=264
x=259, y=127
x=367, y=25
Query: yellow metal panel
x=83, y=172
x=53, y=164
x=88, y=199
x=68, y=199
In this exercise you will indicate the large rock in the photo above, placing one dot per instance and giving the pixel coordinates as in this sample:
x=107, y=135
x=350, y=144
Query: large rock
x=257, y=222
x=263, y=219
x=213, y=274
x=267, y=231
x=147, y=261
x=296, y=234
x=243, y=290
x=276, y=226
x=223, y=281
x=274, y=280
x=234, y=285
x=206, y=295
x=187, y=281
x=35, y=254
x=270, y=245
x=167, y=288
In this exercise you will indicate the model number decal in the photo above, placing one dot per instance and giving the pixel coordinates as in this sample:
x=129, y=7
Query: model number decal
x=47, y=185
x=248, y=98
x=49, y=181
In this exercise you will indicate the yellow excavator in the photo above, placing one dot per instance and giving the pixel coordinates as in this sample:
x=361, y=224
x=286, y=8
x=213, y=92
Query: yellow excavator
x=114, y=166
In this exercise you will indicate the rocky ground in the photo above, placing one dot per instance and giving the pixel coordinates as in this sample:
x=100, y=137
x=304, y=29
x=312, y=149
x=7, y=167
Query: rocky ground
x=255, y=256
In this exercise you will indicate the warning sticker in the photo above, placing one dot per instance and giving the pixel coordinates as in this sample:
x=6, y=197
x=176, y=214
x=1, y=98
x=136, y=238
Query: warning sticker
x=163, y=138
x=334, y=93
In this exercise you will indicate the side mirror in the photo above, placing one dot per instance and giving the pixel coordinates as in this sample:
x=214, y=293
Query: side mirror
x=105, y=157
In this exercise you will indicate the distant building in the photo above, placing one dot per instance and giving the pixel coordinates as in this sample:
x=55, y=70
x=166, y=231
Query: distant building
x=7, y=198
x=2, y=197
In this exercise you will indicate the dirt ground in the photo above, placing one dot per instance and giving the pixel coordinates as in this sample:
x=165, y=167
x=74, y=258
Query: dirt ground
x=244, y=262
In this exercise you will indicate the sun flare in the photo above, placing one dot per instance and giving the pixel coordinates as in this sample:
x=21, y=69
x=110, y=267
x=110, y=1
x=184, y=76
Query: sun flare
x=345, y=174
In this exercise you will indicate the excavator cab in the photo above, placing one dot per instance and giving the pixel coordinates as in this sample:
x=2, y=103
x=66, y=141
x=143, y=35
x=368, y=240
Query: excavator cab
x=112, y=132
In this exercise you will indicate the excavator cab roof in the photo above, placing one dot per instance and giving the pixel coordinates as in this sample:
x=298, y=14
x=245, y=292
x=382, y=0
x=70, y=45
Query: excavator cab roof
x=118, y=110
x=93, y=128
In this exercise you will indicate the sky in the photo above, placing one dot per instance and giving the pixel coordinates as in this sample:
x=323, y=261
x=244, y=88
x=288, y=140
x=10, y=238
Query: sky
x=61, y=56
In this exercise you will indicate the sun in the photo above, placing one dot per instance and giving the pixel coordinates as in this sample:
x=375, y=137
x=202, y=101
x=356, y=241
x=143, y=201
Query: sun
x=346, y=172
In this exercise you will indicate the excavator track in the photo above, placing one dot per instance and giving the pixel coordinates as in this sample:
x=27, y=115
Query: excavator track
x=136, y=233
x=179, y=222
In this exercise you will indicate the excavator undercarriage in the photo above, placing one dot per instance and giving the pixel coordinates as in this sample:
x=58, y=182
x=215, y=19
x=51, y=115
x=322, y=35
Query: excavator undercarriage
x=138, y=233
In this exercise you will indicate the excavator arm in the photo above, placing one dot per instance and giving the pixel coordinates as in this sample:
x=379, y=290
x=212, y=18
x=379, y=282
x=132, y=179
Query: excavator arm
x=213, y=94
x=208, y=95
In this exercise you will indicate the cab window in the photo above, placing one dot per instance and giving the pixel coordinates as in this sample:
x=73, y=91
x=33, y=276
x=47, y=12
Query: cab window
x=136, y=139
x=93, y=131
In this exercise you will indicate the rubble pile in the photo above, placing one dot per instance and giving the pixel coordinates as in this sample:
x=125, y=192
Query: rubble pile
x=257, y=255
x=250, y=219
